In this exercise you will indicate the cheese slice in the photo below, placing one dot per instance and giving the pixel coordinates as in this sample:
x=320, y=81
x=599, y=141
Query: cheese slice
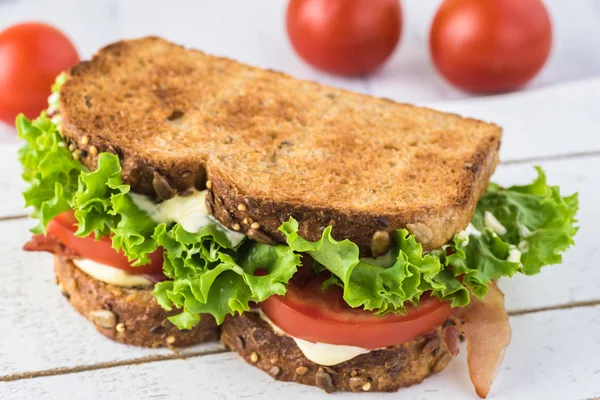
x=111, y=275
x=320, y=353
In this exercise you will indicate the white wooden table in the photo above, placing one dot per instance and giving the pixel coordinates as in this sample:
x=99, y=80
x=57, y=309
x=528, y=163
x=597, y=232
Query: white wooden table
x=48, y=351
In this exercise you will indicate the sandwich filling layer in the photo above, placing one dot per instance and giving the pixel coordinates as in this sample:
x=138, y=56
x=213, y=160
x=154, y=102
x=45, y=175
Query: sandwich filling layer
x=211, y=269
x=335, y=303
x=321, y=353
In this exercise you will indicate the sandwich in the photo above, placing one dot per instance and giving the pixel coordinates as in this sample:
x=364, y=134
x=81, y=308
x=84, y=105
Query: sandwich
x=330, y=238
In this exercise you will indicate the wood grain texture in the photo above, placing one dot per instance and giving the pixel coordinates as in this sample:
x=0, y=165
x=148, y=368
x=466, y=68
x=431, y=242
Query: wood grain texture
x=552, y=356
x=545, y=122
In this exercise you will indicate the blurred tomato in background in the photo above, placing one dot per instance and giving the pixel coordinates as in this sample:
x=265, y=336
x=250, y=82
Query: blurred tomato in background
x=488, y=46
x=31, y=56
x=346, y=37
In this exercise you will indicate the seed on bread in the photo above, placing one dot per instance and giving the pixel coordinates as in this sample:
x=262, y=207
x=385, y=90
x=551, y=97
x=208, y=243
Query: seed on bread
x=323, y=380
x=380, y=243
x=227, y=218
x=301, y=370
x=250, y=202
x=366, y=387
x=241, y=207
x=93, y=150
x=157, y=329
x=255, y=225
x=209, y=184
x=236, y=227
x=356, y=383
x=240, y=343
x=422, y=232
x=120, y=327
x=85, y=140
x=254, y=357
x=382, y=222
x=162, y=187
x=185, y=173
x=210, y=205
x=105, y=318
x=259, y=336
x=170, y=340
x=274, y=371
x=259, y=236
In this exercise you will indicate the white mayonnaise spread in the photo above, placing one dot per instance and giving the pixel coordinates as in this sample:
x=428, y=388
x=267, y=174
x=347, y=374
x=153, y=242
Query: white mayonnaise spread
x=320, y=353
x=514, y=255
x=492, y=222
x=523, y=246
x=53, y=102
x=189, y=211
x=464, y=235
x=111, y=275
x=524, y=231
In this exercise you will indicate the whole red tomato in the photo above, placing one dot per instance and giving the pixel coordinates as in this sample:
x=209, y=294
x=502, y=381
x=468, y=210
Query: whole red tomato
x=31, y=56
x=347, y=37
x=492, y=45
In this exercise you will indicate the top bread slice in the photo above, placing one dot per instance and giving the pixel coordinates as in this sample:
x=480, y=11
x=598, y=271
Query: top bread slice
x=273, y=146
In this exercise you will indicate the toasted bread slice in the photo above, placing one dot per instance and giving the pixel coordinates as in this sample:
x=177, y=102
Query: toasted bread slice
x=127, y=315
x=382, y=370
x=273, y=146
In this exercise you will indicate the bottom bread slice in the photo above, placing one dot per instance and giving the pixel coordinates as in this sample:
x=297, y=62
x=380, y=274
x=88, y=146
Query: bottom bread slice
x=127, y=315
x=382, y=370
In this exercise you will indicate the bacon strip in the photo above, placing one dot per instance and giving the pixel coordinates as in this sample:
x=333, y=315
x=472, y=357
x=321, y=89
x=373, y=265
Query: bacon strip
x=487, y=331
x=47, y=242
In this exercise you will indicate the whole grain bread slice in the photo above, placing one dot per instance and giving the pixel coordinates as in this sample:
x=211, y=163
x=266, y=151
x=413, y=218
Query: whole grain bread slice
x=127, y=315
x=269, y=146
x=382, y=370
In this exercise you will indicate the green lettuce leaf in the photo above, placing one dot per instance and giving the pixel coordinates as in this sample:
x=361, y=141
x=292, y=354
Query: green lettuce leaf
x=539, y=223
x=375, y=288
x=211, y=277
x=102, y=207
x=48, y=168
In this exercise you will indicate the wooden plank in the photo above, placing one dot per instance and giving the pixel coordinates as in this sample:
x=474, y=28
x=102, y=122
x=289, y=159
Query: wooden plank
x=40, y=329
x=11, y=201
x=558, y=120
x=553, y=355
x=31, y=292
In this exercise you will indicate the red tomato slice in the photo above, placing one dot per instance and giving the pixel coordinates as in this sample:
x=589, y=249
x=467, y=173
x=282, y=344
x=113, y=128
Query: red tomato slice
x=306, y=312
x=101, y=251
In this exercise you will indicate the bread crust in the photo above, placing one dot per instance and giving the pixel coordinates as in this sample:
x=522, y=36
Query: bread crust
x=273, y=146
x=384, y=370
x=126, y=315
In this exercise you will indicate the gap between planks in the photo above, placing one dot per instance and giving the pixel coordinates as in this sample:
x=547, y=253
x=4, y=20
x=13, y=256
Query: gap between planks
x=182, y=356
x=556, y=157
x=111, y=364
